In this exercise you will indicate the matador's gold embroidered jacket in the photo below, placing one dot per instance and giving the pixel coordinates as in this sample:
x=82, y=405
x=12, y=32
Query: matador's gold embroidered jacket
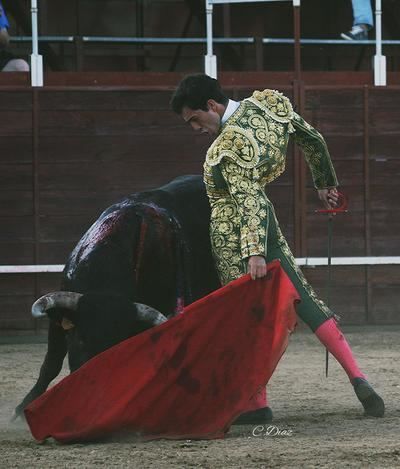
x=250, y=152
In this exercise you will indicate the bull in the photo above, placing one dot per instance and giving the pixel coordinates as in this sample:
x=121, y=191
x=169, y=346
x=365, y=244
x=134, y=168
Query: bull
x=141, y=262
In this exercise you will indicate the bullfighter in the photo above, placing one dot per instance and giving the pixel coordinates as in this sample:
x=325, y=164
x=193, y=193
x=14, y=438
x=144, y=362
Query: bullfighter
x=248, y=152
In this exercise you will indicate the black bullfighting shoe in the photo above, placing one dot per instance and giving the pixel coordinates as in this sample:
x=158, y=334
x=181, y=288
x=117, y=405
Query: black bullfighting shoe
x=255, y=417
x=373, y=404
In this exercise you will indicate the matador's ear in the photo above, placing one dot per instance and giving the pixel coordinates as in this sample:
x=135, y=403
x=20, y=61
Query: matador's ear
x=212, y=105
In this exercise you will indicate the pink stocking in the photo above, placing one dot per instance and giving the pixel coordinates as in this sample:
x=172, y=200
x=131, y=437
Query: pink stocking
x=259, y=400
x=333, y=339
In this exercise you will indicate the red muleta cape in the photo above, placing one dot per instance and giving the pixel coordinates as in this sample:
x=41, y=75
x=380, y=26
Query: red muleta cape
x=187, y=378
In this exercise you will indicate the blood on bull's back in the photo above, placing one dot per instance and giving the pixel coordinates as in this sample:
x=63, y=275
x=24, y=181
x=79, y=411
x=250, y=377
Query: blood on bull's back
x=152, y=246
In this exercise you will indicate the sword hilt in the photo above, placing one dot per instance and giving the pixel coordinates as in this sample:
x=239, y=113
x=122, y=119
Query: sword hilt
x=340, y=208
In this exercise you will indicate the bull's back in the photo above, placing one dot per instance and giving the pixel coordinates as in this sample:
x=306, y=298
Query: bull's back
x=107, y=256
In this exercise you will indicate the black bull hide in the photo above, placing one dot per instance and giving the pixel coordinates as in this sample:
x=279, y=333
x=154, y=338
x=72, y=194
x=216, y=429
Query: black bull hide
x=152, y=247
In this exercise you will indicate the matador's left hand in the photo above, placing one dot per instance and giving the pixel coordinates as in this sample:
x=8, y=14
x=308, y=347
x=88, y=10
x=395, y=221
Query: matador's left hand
x=329, y=197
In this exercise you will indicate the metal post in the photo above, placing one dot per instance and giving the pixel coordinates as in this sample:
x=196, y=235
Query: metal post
x=36, y=59
x=379, y=59
x=367, y=205
x=297, y=34
x=35, y=187
x=210, y=60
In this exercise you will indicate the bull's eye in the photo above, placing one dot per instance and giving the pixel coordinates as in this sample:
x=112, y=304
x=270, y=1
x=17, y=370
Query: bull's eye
x=66, y=324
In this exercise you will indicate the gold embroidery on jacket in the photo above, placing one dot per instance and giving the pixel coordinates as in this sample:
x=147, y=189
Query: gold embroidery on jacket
x=315, y=152
x=235, y=143
x=275, y=105
x=249, y=152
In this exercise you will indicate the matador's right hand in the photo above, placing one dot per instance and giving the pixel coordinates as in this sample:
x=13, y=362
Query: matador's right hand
x=329, y=197
x=257, y=267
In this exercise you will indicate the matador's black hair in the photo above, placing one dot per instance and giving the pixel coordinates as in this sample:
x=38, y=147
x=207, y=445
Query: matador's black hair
x=194, y=91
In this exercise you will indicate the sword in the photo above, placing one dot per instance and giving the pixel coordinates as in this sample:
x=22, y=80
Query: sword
x=340, y=208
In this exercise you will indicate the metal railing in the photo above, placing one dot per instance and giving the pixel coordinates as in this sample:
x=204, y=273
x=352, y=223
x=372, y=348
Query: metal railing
x=301, y=261
x=210, y=60
x=43, y=39
x=82, y=44
x=333, y=42
x=168, y=40
x=200, y=40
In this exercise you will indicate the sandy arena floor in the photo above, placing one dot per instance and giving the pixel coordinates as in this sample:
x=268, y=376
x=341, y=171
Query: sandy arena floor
x=321, y=417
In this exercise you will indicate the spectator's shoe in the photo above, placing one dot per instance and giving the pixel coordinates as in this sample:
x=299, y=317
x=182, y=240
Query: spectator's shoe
x=255, y=417
x=373, y=404
x=357, y=33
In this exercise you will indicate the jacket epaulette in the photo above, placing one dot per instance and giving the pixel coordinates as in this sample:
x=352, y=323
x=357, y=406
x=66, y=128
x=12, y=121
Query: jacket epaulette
x=275, y=104
x=240, y=144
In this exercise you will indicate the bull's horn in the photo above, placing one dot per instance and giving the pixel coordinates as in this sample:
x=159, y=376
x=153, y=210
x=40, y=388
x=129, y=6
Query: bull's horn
x=58, y=299
x=147, y=313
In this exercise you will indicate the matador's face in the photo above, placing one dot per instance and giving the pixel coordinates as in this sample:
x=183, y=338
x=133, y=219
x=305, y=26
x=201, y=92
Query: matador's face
x=206, y=122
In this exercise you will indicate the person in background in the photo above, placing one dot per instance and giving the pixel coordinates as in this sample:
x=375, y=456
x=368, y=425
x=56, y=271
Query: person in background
x=362, y=21
x=8, y=62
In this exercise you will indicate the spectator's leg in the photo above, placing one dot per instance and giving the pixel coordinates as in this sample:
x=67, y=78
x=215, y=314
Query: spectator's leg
x=16, y=65
x=362, y=13
x=362, y=21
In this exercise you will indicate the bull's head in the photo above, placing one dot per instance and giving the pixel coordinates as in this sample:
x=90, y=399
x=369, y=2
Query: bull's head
x=98, y=320
x=60, y=306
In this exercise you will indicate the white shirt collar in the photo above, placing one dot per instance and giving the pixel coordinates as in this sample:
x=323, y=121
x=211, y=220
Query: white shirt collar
x=230, y=109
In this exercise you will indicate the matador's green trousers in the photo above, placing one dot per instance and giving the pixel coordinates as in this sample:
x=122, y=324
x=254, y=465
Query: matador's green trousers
x=311, y=310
